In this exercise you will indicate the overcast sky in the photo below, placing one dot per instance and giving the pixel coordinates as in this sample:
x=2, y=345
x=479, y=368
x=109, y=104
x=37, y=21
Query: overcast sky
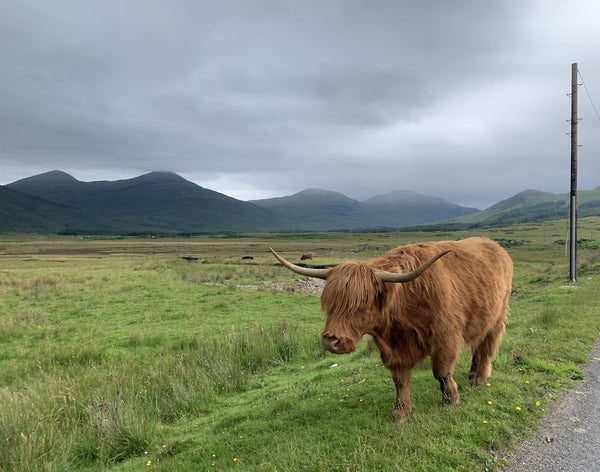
x=463, y=100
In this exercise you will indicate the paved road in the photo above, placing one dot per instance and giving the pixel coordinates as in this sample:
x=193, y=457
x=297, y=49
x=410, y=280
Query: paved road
x=569, y=436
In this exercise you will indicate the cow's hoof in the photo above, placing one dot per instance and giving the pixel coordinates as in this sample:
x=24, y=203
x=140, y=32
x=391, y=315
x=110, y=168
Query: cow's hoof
x=399, y=416
x=451, y=400
x=479, y=381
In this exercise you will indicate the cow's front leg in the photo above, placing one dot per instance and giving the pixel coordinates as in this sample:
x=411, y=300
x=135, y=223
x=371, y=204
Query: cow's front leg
x=443, y=370
x=401, y=411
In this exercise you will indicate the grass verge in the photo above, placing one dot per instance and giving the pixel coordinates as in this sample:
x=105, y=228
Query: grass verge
x=133, y=362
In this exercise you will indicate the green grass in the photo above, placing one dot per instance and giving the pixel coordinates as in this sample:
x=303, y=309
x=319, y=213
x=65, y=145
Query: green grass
x=119, y=355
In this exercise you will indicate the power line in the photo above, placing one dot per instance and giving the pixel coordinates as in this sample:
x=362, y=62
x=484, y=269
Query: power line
x=588, y=94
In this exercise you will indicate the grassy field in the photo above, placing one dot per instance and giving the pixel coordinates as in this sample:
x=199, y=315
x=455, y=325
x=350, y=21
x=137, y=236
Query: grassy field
x=120, y=355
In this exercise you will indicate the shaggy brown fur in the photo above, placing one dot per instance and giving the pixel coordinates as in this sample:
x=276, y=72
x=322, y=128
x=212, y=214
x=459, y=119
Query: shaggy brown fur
x=462, y=298
x=307, y=256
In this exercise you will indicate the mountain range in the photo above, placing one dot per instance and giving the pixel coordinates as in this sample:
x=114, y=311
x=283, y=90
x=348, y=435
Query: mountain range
x=164, y=202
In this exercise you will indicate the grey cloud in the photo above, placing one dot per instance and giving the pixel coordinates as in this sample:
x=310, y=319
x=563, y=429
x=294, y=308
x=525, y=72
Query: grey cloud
x=464, y=102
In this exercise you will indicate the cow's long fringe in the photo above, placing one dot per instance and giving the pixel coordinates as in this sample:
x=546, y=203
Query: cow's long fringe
x=360, y=287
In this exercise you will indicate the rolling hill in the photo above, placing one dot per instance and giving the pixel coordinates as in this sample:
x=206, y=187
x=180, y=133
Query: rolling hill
x=402, y=206
x=24, y=213
x=317, y=210
x=322, y=210
x=534, y=205
x=164, y=202
x=158, y=201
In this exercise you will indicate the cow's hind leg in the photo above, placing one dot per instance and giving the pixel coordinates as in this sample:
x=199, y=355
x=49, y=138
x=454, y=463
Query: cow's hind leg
x=443, y=370
x=483, y=353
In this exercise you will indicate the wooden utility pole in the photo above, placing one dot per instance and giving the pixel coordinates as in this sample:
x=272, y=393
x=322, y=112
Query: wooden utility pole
x=573, y=194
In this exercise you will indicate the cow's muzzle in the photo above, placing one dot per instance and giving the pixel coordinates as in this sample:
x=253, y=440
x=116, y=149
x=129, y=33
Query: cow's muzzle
x=337, y=345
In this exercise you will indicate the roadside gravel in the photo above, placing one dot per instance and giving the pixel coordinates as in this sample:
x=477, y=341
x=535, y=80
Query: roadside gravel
x=569, y=435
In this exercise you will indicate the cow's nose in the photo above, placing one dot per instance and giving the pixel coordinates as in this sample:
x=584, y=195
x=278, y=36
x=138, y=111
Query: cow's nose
x=330, y=342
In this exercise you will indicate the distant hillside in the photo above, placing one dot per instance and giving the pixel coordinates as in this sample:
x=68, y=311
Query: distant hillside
x=158, y=201
x=164, y=202
x=24, y=213
x=406, y=208
x=322, y=210
x=534, y=205
x=318, y=210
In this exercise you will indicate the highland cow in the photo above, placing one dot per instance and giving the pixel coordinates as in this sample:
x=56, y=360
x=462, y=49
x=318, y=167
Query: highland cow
x=416, y=301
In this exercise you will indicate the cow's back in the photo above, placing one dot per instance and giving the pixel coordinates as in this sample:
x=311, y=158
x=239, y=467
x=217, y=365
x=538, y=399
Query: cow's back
x=465, y=291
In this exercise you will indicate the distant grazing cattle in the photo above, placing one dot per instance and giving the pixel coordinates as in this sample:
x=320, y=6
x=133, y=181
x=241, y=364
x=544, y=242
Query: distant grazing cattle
x=415, y=307
x=307, y=256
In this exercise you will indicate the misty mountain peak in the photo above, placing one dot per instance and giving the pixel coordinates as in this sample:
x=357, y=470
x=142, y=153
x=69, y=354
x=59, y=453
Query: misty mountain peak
x=53, y=177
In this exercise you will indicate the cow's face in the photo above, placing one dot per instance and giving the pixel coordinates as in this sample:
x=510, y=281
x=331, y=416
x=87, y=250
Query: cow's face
x=352, y=299
x=343, y=343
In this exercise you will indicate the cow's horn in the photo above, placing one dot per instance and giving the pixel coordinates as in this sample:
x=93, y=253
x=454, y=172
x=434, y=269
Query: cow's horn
x=400, y=278
x=317, y=273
